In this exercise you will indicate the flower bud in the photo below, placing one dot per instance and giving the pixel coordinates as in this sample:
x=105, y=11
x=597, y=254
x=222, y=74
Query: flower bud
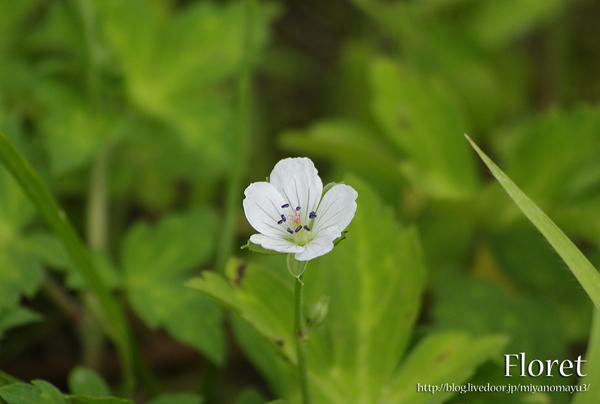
x=317, y=312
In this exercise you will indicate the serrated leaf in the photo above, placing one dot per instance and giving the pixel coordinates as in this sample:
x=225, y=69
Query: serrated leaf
x=258, y=297
x=176, y=60
x=404, y=104
x=438, y=359
x=177, y=398
x=157, y=261
x=583, y=270
x=21, y=275
x=372, y=312
x=86, y=382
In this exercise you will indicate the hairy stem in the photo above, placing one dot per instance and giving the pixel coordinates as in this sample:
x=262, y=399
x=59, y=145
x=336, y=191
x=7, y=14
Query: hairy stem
x=299, y=333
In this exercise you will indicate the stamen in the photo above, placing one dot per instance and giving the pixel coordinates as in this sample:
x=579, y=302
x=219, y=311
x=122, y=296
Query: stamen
x=297, y=208
x=290, y=230
x=298, y=228
x=283, y=218
x=287, y=205
x=281, y=221
x=312, y=215
x=306, y=228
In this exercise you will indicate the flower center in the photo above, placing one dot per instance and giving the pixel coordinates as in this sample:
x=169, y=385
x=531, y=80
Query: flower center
x=291, y=219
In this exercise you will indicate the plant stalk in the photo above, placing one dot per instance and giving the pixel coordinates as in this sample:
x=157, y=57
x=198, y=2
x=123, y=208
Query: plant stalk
x=299, y=333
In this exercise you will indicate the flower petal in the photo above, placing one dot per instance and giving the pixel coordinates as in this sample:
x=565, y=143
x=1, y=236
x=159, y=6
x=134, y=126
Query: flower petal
x=337, y=209
x=298, y=182
x=320, y=245
x=262, y=207
x=276, y=243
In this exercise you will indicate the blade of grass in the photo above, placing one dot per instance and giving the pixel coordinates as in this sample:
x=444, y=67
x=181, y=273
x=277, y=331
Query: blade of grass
x=584, y=271
x=20, y=169
x=591, y=395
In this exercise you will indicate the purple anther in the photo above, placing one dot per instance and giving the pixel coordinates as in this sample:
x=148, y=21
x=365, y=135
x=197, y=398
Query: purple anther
x=297, y=208
x=290, y=230
x=312, y=215
x=306, y=228
x=279, y=222
x=287, y=205
x=298, y=228
x=283, y=218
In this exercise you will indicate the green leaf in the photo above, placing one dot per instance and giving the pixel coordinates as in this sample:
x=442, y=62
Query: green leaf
x=35, y=189
x=6, y=379
x=438, y=359
x=177, y=398
x=86, y=382
x=21, y=275
x=157, y=261
x=404, y=104
x=371, y=312
x=592, y=367
x=258, y=297
x=16, y=317
x=347, y=143
x=583, y=270
x=182, y=88
x=480, y=307
x=250, y=396
x=497, y=23
x=48, y=249
x=73, y=132
x=566, y=167
x=21, y=272
x=39, y=392
x=97, y=400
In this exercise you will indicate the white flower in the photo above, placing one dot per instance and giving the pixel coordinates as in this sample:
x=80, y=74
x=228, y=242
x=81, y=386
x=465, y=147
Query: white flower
x=290, y=215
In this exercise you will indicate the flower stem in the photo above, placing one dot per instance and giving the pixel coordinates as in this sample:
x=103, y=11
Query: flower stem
x=299, y=333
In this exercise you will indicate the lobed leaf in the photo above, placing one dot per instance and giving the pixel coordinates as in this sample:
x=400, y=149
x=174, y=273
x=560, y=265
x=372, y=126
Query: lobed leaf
x=157, y=261
x=258, y=297
x=404, y=104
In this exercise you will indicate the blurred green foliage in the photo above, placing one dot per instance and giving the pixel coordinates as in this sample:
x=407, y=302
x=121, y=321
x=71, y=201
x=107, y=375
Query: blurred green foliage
x=128, y=111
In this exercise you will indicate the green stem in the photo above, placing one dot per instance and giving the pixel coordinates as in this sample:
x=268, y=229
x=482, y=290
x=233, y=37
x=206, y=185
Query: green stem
x=57, y=219
x=592, y=366
x=242, y=144
x=299, y=332
x=97, y=217
x=90, y=330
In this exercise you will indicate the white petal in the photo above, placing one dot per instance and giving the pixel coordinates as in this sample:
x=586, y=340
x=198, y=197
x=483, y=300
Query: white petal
x=276, y=244
x=320, y=245
x=262, y=207
x=298, y=182
x=337, y=209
